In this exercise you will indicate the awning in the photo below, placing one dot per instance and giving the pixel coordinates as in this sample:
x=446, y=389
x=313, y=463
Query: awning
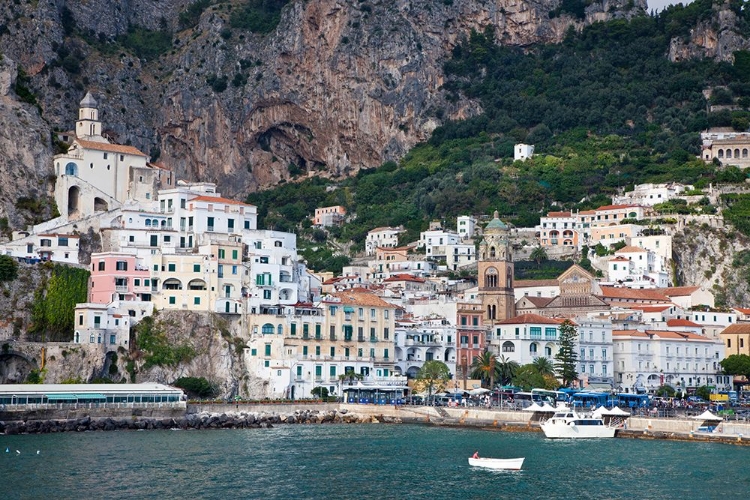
x=348, y=309
x=75, y=397
x=61, y=397
x=91, y=396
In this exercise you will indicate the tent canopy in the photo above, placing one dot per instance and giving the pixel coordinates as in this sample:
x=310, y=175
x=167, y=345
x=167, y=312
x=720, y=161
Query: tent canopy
x=534, y=407
x=707, y=415
x=478, y=391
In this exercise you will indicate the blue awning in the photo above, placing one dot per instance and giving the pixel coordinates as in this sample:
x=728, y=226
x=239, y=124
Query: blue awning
x=75, y=397
x=348, y=309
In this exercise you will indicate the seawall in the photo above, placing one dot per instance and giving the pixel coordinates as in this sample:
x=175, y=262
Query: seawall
x=247, y=415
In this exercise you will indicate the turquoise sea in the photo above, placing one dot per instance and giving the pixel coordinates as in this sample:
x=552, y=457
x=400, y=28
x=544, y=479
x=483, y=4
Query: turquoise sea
x=362, y=461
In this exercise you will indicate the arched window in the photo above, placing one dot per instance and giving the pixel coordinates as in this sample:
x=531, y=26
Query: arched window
x=736, y=153
x=492, y=252
x=490, y=278
x=721, y=153
x=533, y=348
x=148, y=222
x=729, y=153
x=279, y=329
x=267, y=329
x=509, y=347
x=744, y=153
x=71, y=169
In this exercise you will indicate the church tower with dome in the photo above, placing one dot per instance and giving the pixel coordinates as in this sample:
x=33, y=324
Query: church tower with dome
x=495, y=273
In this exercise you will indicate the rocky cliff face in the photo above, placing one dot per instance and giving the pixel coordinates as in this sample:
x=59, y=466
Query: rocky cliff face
x=337, y=86
x=715, y=38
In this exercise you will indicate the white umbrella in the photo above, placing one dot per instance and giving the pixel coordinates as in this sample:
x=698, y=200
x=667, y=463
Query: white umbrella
x=707, y=415
x=615, y=412
x=534, y=407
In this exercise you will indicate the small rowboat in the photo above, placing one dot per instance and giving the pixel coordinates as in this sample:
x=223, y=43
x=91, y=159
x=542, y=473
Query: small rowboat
x=497, y=463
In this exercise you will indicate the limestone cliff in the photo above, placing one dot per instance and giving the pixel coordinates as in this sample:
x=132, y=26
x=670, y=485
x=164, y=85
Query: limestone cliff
x=337, y=86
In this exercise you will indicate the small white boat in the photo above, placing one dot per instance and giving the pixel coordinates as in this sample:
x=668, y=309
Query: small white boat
x=497, y=463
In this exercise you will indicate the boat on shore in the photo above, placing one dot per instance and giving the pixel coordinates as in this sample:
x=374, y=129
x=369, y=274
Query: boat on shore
x=497, y=463
x=567, y=423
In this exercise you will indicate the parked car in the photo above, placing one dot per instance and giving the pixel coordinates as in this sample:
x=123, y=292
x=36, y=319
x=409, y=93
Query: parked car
x=414, y=400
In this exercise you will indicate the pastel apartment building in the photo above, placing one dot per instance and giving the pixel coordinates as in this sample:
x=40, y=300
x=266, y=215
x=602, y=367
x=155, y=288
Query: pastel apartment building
x=313, y=346
x=329, y=216
x=727, y=146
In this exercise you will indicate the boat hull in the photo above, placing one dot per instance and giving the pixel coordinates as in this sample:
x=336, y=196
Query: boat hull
x=497, y=463
x=561, y=431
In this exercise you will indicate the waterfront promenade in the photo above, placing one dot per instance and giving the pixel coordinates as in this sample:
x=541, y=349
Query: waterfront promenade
x=231, y=414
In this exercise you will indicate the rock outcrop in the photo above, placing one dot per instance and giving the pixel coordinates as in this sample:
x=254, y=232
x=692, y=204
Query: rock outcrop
x=337, y=86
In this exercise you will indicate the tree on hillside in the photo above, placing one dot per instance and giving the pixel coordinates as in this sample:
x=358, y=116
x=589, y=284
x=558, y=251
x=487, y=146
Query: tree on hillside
x=8, y=268
x=566, y=356
x=433, y=376
x=736, y=364
x=539, y=255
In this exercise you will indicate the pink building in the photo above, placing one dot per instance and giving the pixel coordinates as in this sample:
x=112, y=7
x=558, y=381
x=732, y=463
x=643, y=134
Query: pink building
x=117, y=276
x=329, y=216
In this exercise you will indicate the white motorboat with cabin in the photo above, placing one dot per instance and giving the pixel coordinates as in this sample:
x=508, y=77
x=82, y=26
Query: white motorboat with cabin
x=567, y=423
x=497, y=463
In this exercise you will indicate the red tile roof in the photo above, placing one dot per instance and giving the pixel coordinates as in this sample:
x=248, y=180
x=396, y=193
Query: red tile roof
x=682, y=322
x=737, y=329
x=631, y=249
x=105, y=146
x=616, y=207
x=680, y=291
x=559, y=214
x=358, y=298
x=530, y=319
x=217, y=199
x=610, y=292
x=650, y=309
x=628, y=333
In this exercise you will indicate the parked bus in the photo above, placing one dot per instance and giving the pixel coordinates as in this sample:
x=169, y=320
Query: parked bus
x=590, y=399
x=541, y=396
x=630, y=400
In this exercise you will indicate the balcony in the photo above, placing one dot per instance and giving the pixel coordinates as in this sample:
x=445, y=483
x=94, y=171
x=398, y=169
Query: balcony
x=361, y=338
x=121, y=288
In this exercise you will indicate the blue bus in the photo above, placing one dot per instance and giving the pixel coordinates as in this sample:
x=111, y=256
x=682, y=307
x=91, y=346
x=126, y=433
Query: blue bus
x=630, y=400
x=590, y=399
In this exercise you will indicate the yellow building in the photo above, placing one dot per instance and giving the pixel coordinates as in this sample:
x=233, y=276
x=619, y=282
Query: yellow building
x=736, y=339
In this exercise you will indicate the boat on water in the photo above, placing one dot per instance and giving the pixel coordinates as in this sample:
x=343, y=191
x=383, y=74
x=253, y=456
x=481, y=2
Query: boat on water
x=497, y=463
x=567, y=423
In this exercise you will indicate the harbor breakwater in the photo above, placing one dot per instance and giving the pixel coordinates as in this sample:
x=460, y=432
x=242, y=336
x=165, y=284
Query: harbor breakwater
x=203, y=420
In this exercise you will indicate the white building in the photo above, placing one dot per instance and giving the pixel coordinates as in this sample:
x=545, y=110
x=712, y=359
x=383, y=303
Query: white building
x=421, y=340
x=525, y=338
x=440, y=244
x=595, y=353
x=383, y=237
x=647, y=359
x=523, y=152
x=466, y=226
x=651, y=194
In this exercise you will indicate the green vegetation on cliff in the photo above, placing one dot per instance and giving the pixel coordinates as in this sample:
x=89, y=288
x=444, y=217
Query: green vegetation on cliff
x=605, y=109
x=55, y=301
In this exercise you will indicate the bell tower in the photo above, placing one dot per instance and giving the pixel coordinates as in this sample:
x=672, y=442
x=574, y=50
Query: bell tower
x=88, y=126
x=495, y=273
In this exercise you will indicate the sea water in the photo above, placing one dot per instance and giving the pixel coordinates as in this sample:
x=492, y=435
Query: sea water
x=362, y=461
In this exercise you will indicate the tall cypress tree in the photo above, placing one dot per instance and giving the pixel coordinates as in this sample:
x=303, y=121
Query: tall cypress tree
x=566, y=357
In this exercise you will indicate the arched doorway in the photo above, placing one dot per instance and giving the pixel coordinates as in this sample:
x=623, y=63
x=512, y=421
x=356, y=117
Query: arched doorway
x=74, y=200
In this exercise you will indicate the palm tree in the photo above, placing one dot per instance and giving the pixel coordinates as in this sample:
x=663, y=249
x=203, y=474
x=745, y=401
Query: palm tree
x=485, y=368
x=507, y=369
x=539, y=255
x=544, y=366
